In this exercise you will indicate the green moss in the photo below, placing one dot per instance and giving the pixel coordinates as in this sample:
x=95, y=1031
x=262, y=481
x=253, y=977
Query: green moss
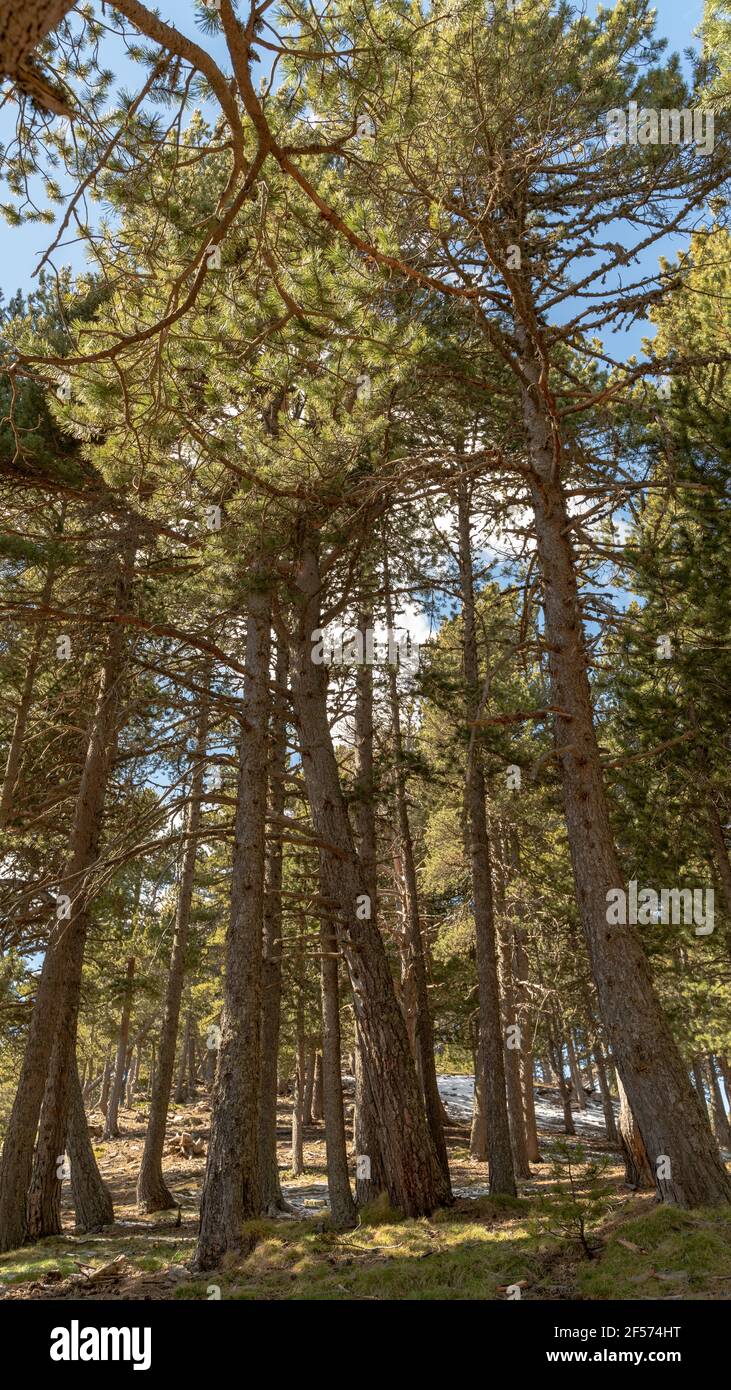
x=687, y=1252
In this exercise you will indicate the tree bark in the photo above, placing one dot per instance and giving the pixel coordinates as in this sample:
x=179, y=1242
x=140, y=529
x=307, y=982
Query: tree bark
x=365, y=1120
x=92, y=1198
x=416, y=968
x=111, y=1124
x=153, y=1193
x=232, y=1185
x=15, y=750
x=342, y=1206
x=500, y=1156
x=721, y=1127
x=318, y=1112
x=310, y=1060
x=271, y=1191
x=55, y=1010
x=658, y=1086
x=416, y=1182
x=637, y=1170
x=610, y=1122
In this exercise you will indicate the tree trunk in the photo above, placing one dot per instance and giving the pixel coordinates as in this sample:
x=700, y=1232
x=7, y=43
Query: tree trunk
x=92, y=1198
x=416, y=967
x=106, y=1084
x=311, y=1058
x=610, y=1122
x=574, y=1071
x=181, y=1086
x=721, y=1127
x=297, y=1160
x=478, y=1128
x=55, y=1010
x=696, y=1068
x=637, y=1170
x=318, y=1112
x=232, y=1185
x=513, y=1048
x=500, y=1156
x=416, y=1182
x=153, y=1193
x=15, y=750
x=658, y=1086
x=271, y=1191
x=111, y=1124
x=342, y=1206
x=365, y=1120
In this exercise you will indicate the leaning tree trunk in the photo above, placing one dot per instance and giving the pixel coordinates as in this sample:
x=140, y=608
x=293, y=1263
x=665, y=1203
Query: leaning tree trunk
x=500, y=1156
x=92, y=1198
x=15, y=749
x=153, y=1193
x=342, y=1206
x=53, y=1021
x=232, y=1185
x=271, y=1191
x=415, y=1179
x=659, y=1089
x=111, y=1124
x=574, y=1070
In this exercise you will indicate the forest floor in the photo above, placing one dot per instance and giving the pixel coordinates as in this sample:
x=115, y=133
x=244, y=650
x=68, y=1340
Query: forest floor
x=475, y=1249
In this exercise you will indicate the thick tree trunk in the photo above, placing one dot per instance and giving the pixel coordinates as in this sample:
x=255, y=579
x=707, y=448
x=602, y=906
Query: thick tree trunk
x=232, y=1185
x=153, y=1193
x=92, y=1198
x=342, y=1206
x=500, y=1156
x=271, y=983
x=111, y=1124
x=370, y=1176
x=55, y=1010
x=416, y=1182
x=658, y=1086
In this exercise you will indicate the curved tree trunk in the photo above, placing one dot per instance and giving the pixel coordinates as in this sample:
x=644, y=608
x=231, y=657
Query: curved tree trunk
x=660, y=1093
x=416, y=1182
x=57, y=995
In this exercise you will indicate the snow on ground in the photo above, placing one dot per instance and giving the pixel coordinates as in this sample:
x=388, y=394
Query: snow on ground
x=457, y=1092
